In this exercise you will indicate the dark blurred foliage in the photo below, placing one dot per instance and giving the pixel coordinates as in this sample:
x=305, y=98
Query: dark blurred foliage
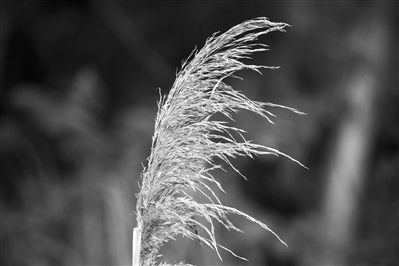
x=79, y=86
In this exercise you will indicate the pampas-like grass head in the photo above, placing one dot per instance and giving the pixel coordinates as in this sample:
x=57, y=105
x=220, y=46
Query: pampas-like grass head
x=187, y=141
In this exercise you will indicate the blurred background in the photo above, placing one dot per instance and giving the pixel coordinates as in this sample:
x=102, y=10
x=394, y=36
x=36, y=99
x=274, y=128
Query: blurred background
x=79, y=98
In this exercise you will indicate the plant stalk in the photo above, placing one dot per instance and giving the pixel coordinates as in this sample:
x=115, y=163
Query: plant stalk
x=136, y=247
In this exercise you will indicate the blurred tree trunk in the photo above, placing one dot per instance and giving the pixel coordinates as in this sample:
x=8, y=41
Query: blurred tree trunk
x=367, y=43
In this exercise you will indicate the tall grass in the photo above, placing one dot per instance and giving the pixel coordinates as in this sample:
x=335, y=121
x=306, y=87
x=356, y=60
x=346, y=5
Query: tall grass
x=187, y=141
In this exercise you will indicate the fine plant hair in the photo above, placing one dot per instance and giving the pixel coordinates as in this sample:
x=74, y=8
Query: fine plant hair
x=187, y=141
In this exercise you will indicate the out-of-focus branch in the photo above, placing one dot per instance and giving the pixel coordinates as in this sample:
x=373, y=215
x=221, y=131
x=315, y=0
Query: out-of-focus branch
x=126, y=30
x=348, y=168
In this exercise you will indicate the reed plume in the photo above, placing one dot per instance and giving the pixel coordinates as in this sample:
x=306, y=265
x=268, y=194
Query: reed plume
x=187, y=141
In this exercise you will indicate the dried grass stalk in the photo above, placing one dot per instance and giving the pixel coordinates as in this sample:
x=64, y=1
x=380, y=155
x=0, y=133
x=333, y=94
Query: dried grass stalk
x=186, y=141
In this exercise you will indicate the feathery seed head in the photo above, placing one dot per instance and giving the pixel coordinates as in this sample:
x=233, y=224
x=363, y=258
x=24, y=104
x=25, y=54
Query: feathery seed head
x=186, y=141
